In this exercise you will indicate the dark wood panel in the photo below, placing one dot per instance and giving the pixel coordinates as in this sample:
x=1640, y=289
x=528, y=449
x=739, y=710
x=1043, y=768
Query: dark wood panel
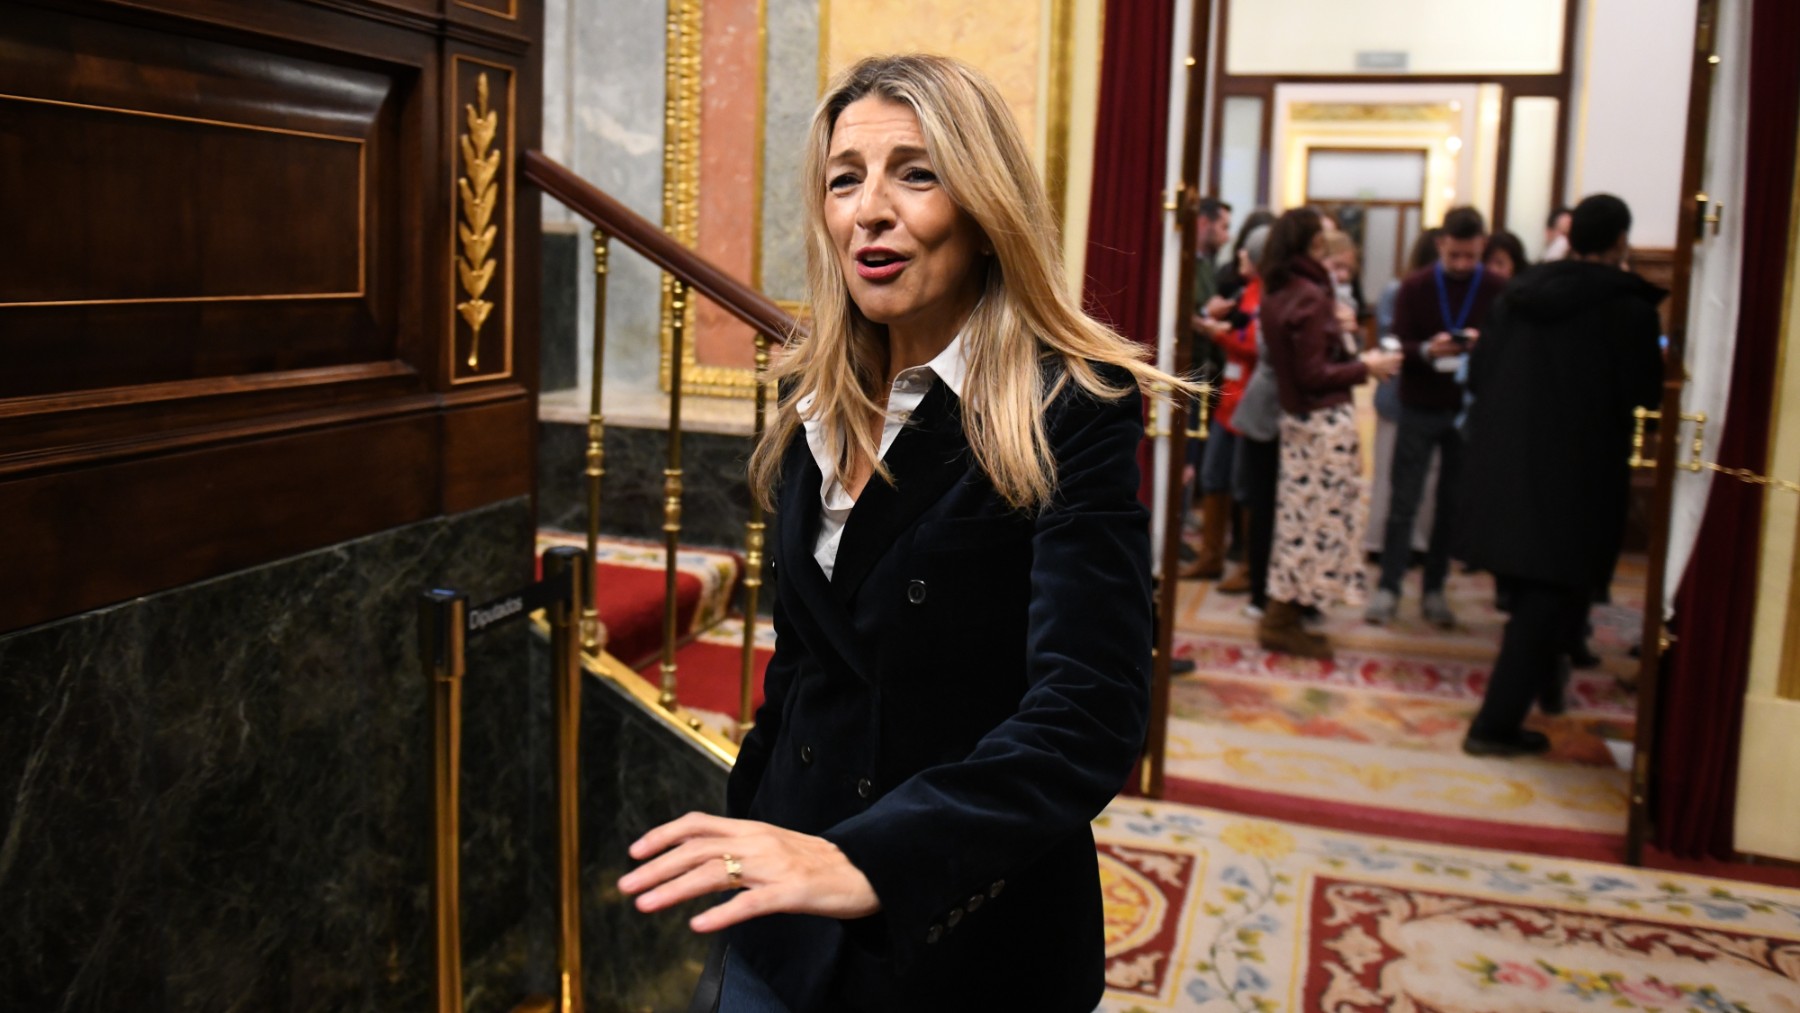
x=270, y=192
x=483, y=456
x=81, y=539
x=199, y=206
x=503, y=10
x=162, y=205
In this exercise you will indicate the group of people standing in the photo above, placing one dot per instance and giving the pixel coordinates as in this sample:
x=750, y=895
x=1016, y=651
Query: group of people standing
x=1505, y=411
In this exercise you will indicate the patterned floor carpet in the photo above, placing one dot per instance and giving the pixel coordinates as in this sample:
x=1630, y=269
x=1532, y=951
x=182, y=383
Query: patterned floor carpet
x=1372, y=741
x=1211, y=912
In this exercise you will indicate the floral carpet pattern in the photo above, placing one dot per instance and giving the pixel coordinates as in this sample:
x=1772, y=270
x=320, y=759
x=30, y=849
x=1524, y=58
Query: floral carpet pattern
x=1377, y=732
x=1220, y=912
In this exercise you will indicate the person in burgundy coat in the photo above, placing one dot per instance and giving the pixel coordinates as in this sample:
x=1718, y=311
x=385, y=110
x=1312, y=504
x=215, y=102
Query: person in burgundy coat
x=1309, y=338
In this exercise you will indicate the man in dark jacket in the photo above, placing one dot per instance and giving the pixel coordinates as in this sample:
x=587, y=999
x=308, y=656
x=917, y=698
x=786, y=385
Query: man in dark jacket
x=1570, y=350
x=1438, y=315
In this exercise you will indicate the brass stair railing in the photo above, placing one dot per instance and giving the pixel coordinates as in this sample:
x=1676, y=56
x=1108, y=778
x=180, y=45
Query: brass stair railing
x=689, y=274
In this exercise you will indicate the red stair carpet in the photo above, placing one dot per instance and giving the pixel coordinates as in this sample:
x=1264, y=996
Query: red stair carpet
x=628, y=591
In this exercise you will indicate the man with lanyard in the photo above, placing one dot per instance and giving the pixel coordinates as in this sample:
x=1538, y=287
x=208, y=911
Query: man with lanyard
x=1437, y=317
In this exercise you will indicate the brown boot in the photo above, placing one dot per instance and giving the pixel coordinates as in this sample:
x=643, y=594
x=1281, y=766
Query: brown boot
x=1215, y=519
x=1237, y=583
x=1281, y=631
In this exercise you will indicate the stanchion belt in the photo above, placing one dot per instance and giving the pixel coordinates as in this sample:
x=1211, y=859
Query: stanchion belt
x=513, y=606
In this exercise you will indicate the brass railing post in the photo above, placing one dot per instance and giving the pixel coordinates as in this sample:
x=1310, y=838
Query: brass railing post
x=593, y=632
x=753, y=550
x=567, y=563
x=442, y=624
x=678, y=298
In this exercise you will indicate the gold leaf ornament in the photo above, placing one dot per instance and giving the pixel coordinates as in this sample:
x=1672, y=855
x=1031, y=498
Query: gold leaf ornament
x=475, y=279
x=480, y=193
x=475, y=311
x=476, y=247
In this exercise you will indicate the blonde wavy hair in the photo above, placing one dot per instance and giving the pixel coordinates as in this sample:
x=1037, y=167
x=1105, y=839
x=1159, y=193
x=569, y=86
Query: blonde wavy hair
x=1025, y=315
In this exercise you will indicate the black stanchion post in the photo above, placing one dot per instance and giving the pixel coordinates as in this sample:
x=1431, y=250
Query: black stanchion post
x=442, y=622
x=562, y=565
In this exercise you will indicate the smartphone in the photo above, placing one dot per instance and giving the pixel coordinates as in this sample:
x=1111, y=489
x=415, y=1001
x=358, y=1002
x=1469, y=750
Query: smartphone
x=1462, y=338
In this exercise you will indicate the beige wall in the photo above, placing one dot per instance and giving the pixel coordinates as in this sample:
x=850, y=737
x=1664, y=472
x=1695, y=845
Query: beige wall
x=1010, y=41
x=1630, y=117
x=1768, y=803
x=1084, y=110
x=1000, y=37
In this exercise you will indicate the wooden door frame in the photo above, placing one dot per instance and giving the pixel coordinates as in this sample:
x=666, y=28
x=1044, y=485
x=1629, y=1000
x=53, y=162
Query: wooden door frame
x=1186, y=206
x=1662, y=497
x=1558, y=86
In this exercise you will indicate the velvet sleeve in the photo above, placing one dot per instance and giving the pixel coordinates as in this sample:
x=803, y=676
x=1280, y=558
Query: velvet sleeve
x=1316, y=369
x=952, y=830
x=753, y=753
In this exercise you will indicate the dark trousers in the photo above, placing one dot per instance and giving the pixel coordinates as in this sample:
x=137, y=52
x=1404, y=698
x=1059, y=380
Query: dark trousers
x=1546, y=619
x=1421, y=432
x=1256, y=471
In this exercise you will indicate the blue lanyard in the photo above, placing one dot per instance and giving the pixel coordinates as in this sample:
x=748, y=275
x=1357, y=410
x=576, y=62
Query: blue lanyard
x=1461, y=320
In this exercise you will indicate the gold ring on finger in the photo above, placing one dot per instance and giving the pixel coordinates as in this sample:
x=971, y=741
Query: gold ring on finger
x=734, y=871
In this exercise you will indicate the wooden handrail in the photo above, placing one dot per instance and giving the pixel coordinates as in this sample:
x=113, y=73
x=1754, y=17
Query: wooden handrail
x=635, y=231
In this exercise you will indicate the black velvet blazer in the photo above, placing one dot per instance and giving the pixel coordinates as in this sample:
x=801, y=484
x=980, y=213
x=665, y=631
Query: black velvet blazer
x=952, y=708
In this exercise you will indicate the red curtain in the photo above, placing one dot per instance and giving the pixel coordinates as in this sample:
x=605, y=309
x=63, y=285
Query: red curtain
x=1125, y=226
x=1708, y=666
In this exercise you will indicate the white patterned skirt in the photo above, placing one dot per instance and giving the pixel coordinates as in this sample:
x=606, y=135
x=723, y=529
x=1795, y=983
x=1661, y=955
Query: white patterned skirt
x=1319, y=511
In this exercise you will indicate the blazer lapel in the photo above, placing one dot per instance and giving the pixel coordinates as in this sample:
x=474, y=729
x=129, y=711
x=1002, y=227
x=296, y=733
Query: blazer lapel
x=926, y=459
x=823, y=621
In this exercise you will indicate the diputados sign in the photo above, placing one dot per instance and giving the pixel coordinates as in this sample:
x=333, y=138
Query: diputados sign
x=481, y=618
x=518, y=604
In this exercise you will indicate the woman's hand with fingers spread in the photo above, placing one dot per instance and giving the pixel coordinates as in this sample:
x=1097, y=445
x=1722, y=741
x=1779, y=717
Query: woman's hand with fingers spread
x=778, y=871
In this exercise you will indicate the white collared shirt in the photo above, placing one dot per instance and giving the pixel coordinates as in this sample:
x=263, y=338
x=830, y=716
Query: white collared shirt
x=835, y=503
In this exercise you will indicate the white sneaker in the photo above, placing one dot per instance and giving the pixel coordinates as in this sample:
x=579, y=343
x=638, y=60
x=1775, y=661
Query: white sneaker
x=1384, y=605
x=1436, y=610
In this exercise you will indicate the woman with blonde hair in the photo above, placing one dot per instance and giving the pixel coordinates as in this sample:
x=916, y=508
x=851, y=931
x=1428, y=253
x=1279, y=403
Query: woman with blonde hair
x=960, y=679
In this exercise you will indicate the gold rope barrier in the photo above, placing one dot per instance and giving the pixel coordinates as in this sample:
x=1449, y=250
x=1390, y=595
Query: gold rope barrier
x=593, y=631
x=1696, y=462
x=678, y=297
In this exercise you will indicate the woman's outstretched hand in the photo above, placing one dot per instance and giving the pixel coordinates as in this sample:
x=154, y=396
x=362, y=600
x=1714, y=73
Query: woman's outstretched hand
x=779, y=871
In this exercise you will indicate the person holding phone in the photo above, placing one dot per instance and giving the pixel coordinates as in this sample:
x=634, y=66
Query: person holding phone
x=1438, y=314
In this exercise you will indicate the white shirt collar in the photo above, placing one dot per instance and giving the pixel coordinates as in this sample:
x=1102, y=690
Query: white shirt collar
x=950, y=365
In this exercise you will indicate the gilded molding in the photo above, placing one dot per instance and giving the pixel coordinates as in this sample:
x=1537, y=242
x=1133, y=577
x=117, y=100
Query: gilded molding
x=480, y=249
x=1059, y=100
x=1382, y=112
x=681, y=191
x=480, y=191
x=643, y=695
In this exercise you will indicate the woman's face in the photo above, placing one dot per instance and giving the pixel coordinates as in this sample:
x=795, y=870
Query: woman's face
x=1500, y=264
x=912, y=259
